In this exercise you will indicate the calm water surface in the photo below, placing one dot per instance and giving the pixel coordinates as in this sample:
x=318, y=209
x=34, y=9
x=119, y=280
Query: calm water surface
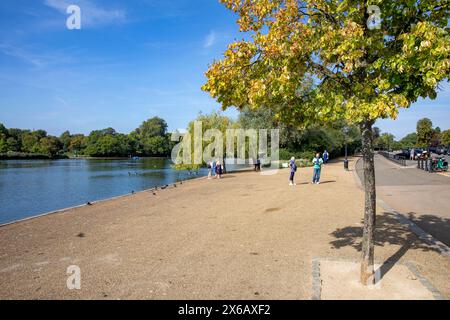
x=32, y=187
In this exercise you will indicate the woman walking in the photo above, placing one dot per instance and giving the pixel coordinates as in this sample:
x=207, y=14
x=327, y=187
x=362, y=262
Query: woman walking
x=326, y=156
x=219, y=169
x=210, y=169
x=317, y=162
x=293, y=167
x=213, y=163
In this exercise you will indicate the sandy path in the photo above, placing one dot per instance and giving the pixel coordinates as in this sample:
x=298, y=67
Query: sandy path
x=246, y=236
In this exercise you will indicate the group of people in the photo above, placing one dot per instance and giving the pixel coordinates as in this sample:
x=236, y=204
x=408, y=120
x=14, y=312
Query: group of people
x=215, y=168
x=317, y=166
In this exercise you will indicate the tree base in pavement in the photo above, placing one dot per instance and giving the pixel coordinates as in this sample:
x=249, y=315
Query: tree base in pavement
x=339, y=280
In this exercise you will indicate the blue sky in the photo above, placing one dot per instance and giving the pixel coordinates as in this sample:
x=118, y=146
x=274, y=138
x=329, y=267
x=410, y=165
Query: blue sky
x=130, y=61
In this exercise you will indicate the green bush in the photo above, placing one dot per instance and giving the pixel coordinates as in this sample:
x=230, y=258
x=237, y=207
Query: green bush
x=286, y=155
x=302, y=163
x=307, y=155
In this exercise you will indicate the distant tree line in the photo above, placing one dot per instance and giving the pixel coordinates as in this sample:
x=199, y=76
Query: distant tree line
x=424, y=137
x=303, y=143
x=150, y=139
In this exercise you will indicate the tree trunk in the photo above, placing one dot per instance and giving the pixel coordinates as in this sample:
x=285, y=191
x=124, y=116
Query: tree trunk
x=367, y=269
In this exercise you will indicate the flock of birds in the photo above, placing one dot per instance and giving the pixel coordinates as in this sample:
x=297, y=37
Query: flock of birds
x=153, y=190
x=156, y=188
x=191, y=173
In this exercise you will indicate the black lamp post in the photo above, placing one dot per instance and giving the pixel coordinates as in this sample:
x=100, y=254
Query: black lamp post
x=346, y=130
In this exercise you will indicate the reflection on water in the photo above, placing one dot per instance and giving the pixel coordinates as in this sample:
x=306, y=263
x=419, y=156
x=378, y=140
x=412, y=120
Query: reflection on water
x=31, y=187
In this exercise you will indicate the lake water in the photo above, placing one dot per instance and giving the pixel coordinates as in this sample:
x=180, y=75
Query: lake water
x=32, y=187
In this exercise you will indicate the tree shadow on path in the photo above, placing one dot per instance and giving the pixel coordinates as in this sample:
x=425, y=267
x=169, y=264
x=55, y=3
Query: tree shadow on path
x=388, y=232
x=438, y=227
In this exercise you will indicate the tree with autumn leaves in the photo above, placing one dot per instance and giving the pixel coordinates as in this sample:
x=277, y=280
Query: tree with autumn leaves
x=362, y=70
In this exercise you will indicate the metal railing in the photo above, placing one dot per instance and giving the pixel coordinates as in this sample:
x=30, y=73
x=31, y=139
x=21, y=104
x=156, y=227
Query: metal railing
x=425, y=164
x=394, y=158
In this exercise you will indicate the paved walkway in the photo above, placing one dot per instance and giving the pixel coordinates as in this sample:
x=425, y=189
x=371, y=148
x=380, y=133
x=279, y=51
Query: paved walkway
x=421, y=196
x=244, y=237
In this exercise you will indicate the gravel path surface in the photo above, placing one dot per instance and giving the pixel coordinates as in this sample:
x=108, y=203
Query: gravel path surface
x=246, y=236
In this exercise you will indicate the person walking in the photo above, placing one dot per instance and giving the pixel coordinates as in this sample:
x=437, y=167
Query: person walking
x=255, y=163
x=293, y=167
x=412, y=154
x=317, y=162
x=210, y=169
x=325, y=157
x=218, y=169
x=213, y=163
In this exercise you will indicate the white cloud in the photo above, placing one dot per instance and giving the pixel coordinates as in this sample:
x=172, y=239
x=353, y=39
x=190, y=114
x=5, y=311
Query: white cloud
x=21, y=54
x=91, y=13
x=37, y=60
x=211, y=39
